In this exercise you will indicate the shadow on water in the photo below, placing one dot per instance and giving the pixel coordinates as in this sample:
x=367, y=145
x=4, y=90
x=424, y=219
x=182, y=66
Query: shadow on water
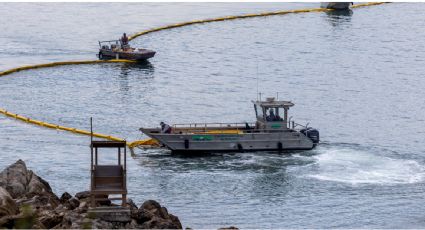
x=143, y=66
x=338, y=17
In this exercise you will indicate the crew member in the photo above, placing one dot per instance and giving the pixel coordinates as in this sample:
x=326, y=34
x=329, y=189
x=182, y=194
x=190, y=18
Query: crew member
x=124, y=40
x=165, y=128
x=271, y=116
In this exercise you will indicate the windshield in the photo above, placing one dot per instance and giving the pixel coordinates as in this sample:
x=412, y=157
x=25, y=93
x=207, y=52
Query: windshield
x=272, y=114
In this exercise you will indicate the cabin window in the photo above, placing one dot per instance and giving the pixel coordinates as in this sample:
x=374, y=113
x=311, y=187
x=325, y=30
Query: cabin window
x=272, y=114
x=258, y=112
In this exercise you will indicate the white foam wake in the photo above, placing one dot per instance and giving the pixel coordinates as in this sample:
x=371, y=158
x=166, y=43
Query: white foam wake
x=357, y=167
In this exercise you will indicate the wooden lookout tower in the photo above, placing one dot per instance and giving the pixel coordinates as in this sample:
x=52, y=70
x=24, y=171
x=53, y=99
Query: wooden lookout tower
x=108, y=179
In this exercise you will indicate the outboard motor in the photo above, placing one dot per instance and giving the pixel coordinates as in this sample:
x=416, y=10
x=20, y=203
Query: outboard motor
x=311, y=133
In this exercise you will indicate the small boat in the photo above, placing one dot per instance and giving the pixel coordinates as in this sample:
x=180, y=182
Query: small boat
x=115, y=50
x=272, y=131
x=336, y=5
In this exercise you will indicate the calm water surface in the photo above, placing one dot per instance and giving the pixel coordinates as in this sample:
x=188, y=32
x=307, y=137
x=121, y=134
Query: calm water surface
x=357, y=77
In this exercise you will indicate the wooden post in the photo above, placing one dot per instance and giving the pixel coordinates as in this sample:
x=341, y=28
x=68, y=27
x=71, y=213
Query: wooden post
x=119, y=156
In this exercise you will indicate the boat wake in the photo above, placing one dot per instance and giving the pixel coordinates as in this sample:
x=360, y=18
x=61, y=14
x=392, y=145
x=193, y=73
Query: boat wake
x=356, y=166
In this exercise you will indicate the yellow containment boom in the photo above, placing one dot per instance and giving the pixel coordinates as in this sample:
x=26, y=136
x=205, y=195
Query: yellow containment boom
x=145, y=142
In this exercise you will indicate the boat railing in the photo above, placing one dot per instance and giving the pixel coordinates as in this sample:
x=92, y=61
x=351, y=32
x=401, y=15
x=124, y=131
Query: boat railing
x=210, y=126
x=296, y=125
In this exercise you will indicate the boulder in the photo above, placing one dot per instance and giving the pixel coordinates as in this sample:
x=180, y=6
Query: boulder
x=50, y=218
x=14, y=179
x=159, y=223
x=83, y=207
x=150, y=205
x=152, y=215
x=65, y=197
x=21, y=182
x=7, y=204
x=133, y=208
x=72, y=203
x=82, y=195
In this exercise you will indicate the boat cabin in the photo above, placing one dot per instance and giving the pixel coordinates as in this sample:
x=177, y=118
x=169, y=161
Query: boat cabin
x=108, y=179
x=110, y=45
x=272, y=114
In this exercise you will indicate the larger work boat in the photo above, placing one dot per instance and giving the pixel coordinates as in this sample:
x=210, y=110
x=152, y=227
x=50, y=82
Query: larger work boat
x=273, y=131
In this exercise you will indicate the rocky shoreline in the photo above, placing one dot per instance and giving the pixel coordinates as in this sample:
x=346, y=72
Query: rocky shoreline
x=27, y=201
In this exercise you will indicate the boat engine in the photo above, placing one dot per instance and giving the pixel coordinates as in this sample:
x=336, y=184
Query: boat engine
x=311, y=133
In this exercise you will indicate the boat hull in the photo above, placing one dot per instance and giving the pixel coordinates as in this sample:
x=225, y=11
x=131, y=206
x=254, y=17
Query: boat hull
x=336, y=5
x=136, y=56
x=243, y=142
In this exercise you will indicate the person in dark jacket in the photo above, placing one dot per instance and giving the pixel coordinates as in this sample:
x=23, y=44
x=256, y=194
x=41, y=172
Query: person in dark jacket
x=165, y=128
x=124, y=40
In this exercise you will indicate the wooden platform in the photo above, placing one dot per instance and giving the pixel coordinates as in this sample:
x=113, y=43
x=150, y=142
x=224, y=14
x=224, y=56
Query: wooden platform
x=108, y=179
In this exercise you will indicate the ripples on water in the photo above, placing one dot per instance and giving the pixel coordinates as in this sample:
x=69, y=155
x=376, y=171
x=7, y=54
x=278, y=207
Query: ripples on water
x=356, y=76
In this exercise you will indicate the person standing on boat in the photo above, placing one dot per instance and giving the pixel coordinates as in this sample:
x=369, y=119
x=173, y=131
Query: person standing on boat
x=165, y=128
x=124, y=42
x=124, y=39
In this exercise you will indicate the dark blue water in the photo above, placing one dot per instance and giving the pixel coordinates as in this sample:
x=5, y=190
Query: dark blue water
x=357, y=77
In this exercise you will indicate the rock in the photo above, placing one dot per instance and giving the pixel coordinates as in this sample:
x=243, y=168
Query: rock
x=72, y=203
x=21, y=182
x=83, y=207
x=26, y=218
x=130, y=203
x=82, y=195
x=142, y=216
x=27, y=201
x=158, y=223
x=36, y=201
x=111, y=214
x=65, y=197
x=150, y=205
x=7, y=204
x=133, y=208
x=50, y=219
x=152, y=215
x=14, y=179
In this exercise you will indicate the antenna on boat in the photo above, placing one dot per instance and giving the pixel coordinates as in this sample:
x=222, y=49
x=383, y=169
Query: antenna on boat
x=257, y=81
